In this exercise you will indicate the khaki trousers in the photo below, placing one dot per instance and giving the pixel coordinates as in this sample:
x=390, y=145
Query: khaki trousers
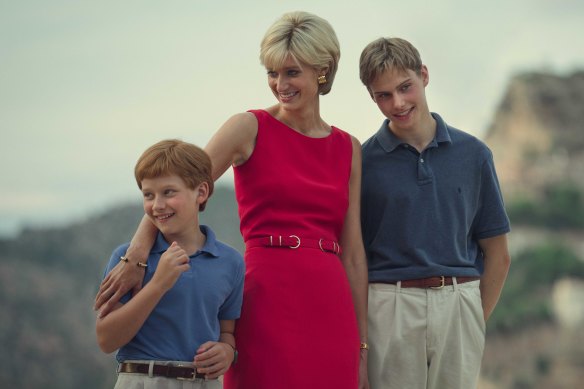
x=425, y=338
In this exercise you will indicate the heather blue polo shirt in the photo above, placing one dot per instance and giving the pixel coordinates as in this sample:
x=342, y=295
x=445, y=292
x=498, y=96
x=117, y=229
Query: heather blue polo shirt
x=188, y=314
x=423, y=213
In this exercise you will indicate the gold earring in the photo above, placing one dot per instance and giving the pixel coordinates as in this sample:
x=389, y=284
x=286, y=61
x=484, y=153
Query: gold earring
x=321, y=80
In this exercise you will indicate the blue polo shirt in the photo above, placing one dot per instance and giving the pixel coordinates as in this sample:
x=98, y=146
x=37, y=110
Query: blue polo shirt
x=423, y=213
x=188, y=314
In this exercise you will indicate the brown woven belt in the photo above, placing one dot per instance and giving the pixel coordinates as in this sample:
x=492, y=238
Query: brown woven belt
x=169, y=371
x=434, y=282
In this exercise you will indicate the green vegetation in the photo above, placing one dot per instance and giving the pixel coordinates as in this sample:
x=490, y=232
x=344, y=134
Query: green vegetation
x=526, y=297
x=561, y=207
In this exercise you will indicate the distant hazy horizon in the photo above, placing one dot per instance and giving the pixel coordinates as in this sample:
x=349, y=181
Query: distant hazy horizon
x=87, y=86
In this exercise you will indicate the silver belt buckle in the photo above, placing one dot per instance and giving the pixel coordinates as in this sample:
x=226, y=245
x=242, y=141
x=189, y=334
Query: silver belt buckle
x=191, y=378
x=297, y=244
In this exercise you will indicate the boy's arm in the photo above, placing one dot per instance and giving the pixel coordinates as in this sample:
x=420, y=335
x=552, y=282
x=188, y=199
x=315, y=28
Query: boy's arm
x=126, y=276
x=214, y=358
x=227, y=332
x=124, y=322
x=497, y=262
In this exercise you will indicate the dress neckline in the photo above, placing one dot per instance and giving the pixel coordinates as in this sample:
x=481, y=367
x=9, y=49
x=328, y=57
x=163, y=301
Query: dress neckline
x=333, y=128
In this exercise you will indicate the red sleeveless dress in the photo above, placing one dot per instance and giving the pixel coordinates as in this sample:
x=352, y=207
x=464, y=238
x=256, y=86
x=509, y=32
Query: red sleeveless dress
x=298, y=327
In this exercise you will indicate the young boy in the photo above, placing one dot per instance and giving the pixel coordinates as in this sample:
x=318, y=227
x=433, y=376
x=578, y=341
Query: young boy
x=434, y=229
x=180, y=325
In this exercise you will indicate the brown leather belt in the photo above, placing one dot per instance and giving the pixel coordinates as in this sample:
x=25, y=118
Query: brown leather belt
x=434, y=282
x=169, y=371
x=294, y=242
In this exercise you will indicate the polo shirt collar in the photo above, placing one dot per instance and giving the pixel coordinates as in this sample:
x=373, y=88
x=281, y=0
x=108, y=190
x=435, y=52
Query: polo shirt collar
x=210, y=247
x=442, y=133
x=389, y=142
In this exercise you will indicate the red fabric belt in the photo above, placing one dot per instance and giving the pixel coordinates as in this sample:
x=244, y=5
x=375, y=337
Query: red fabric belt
x=169, y=371
x=294, y=242
x=433, y=282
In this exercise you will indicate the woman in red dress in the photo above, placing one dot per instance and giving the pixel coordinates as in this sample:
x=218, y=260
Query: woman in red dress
x=297, y=182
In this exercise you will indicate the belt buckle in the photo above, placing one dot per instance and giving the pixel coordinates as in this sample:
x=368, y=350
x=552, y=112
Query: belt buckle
x=298, y=241
x=442, y=283
x=192, y=377
x=335, y=250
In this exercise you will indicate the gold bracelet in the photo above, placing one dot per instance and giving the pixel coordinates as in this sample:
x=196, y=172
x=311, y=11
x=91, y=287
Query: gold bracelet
x=364, y=346
x=125, y=259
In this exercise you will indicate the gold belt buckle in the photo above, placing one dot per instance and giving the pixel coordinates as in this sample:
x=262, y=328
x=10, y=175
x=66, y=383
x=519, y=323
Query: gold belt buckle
x=442, y=280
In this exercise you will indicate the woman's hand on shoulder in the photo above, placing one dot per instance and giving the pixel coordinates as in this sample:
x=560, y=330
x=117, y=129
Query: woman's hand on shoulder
x=233, y=143
x=120, y=280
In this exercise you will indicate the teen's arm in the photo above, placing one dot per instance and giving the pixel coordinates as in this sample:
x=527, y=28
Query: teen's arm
x=128, y=275
x=353, y=257
x=122, y=324
x=497, y=262
x=214, y=358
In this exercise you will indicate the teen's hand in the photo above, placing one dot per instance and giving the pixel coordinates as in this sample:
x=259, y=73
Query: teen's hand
x=172, y=263
x=125, y=276
x=214, y=359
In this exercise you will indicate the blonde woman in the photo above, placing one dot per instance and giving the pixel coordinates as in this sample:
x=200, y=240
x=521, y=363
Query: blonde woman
x=297, y=182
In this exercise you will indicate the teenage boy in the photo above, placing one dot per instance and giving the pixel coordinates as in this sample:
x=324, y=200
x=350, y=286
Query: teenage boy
x=180, y=325
x=434, y=229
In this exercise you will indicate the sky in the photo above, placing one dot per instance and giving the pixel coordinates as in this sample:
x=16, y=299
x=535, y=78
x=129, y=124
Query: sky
x=87, y=86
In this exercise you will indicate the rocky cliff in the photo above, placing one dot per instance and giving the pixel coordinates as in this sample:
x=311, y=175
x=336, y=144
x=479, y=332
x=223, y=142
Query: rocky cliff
x=537, y=133
x=537, y=139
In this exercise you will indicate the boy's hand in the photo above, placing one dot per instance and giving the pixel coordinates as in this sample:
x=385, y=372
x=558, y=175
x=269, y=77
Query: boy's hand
x=214, y=359
x=172, y=263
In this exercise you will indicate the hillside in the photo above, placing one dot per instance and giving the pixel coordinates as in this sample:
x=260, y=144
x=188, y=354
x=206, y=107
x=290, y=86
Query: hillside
x=48, y=279
x=537, y=133
x=537, y=138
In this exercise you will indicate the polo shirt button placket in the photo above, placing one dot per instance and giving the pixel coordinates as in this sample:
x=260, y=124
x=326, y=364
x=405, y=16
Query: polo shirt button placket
x=423, y=173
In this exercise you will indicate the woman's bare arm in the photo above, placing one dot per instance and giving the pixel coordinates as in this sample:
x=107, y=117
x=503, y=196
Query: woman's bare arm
x=232, y=144
x=126, y=276
x=353, y=257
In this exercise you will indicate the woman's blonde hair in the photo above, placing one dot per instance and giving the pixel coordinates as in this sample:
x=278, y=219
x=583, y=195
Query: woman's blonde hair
x=308, y=38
